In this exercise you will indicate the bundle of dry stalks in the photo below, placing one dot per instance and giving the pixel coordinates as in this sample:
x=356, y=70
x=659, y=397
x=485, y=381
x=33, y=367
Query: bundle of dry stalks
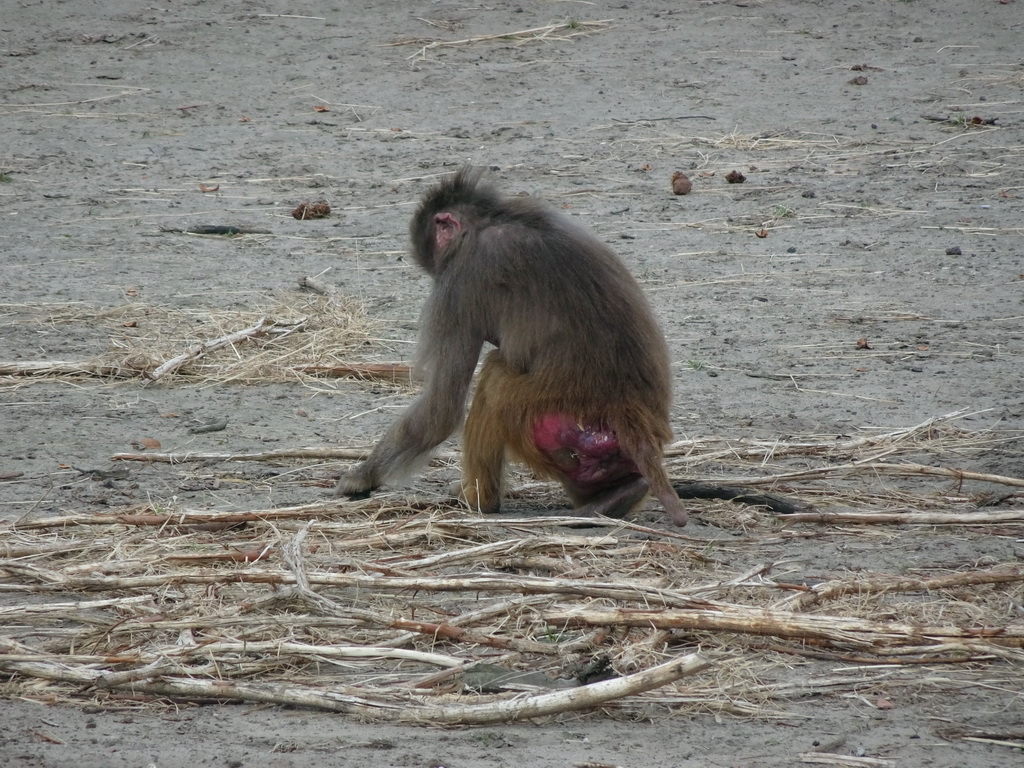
x=418, y=611
x=415, y=610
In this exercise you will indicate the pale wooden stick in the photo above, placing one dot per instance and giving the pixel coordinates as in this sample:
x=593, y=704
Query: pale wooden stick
x=906, y=518
x=883, y=584
x=501, y=711
x=855, y=467
x=845, y=761
x=65, y=368
x=520, y=584
x=208, y=346
x=956, y=474
x=758, y=621
x=354, y=454
x=568, y=700
x=275, y=648
x=24, y=612
x=312, y=284
x=395, y=372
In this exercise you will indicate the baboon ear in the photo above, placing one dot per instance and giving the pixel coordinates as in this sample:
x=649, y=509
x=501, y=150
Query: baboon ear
x=446, y=229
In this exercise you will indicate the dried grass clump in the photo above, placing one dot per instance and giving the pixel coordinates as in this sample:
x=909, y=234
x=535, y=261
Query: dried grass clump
x=290, y=340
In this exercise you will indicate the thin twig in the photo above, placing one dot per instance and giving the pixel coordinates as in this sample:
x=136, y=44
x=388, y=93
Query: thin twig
x=575, y=29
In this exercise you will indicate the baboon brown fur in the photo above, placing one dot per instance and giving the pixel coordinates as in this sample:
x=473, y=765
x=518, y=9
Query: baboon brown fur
x=578, y=386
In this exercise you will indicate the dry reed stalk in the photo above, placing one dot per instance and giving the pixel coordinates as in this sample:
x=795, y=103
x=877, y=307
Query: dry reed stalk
x=568, y=30
x=830, y=630
x=123, y=92
x=353, y=454
x=182, y=604
x=43, y=580
x=911, y=655
x=883, y=584
x=777, y=448
x=845, y=761
x=909, y=518
x=67, y=368
x=155, y=679
x=908, y=469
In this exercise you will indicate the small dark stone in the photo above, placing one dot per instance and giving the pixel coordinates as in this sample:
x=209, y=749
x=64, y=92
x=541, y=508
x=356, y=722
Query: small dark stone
x=791, y=249
x=954, y=251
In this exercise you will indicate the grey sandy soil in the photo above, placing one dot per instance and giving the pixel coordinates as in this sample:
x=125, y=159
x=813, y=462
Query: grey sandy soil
x=889, y=217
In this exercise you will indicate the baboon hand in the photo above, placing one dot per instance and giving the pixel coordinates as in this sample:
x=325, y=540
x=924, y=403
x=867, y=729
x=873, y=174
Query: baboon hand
x=356, y=482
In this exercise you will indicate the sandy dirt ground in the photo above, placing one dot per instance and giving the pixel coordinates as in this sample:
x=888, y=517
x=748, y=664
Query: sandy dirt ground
x=867, y=276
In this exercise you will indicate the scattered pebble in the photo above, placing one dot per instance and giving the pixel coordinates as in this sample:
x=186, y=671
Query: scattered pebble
x=954, y=250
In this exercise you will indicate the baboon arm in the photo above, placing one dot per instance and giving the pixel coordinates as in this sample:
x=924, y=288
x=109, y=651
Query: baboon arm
x=434, y=416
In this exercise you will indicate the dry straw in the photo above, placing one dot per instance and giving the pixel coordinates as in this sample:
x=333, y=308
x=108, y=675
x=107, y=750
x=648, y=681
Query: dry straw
x=288, y=341
x=417, y=611
x=555, y=31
